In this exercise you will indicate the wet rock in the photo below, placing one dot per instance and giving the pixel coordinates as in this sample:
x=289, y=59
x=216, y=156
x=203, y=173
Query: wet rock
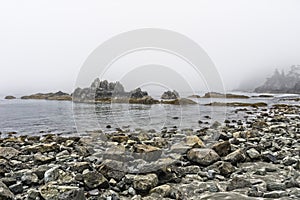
x=235, y=157
x=222, y=148
x=203, y=156
x=93, y=179
x=8, y=152
x=5, y=193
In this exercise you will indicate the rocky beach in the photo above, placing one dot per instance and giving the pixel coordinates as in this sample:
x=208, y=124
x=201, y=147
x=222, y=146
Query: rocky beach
x=255, y=157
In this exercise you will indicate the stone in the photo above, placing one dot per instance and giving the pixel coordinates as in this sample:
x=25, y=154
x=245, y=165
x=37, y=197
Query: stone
x=274, y=194
x=61, y=192
x=273, y=186
x=253, y=153
x=93, y=180
x=33, y=194
x=42, y=148
x=144, y=183
x=203, y=156
x=235, y=157
x=147, y=152
x=163, y=190
x=79, y=166
x=30, y=178
x=5, y=193
x=8, y=152
x=194, y=141
x=222, y=148
x=51, y=174
x=225, y=168
x=42, y=159
x=238, y=182
x=16, y=188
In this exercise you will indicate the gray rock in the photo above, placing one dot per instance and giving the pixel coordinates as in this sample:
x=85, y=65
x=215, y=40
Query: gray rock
x=272, y=186
x=275, y=194
x=253, y=153
x=203, y=156
x=238, y=182
x=144, y=183
x=93, y=179
x=235, y=157
x=51, y=174
x=5, y=193
x=8, y=152
x=16, y=188
x=222, y=148
x=30, y=178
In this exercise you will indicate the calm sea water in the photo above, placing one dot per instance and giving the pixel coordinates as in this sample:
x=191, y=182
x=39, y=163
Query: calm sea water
x=41, y=116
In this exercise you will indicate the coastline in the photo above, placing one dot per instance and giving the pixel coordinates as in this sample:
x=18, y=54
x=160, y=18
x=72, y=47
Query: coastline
x=249, y=160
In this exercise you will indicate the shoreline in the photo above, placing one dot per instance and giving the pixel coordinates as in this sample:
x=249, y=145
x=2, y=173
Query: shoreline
x=248, y=160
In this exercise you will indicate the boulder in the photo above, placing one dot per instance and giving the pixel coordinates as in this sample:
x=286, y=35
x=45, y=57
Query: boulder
x=203, y=156
x=8, y=152
x=222, y=148
x=144, y=183
x=93, y=179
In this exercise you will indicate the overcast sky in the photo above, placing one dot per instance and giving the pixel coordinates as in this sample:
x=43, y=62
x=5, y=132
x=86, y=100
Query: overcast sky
x=43, y=44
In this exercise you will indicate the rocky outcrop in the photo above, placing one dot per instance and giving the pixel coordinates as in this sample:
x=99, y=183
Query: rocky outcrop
x=170, y=95
x=220, y=95
x=237, y=104
x=282, y=83
x=59, y=96
x=10, y=97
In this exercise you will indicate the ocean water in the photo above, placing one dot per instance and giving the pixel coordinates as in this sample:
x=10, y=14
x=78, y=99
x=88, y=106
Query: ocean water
x=36, y=117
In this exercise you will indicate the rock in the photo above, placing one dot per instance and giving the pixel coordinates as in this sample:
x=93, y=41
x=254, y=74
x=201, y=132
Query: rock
x=225, y=195
x=181, y=101
x=74, y=194
x=16, y=188
x=5, y=193
x=238, y=182
x=170, y=95
x=50, y=96
x=235, y=157
x=30, y=178
x=272, y=186
x=8, y=152
x=203, y=156
x=194, y=141
x=163, y=190
x=51, y=174
x=42, y=148
x=222, y=148
x=10, y=97
x=253, y=153
x=79, y=166
x=288, y=161
x=8, y=181
x=237, y=104
x=57, y=192
x=33, y=194
x=225, y=168
x=143, y=183
x=147, y=152
x=219, y=95
x=41, y=159
x=275, y=194
x=93, y=179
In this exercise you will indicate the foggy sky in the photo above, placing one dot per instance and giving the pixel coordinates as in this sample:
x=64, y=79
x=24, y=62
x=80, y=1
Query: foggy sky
x=43, y=44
